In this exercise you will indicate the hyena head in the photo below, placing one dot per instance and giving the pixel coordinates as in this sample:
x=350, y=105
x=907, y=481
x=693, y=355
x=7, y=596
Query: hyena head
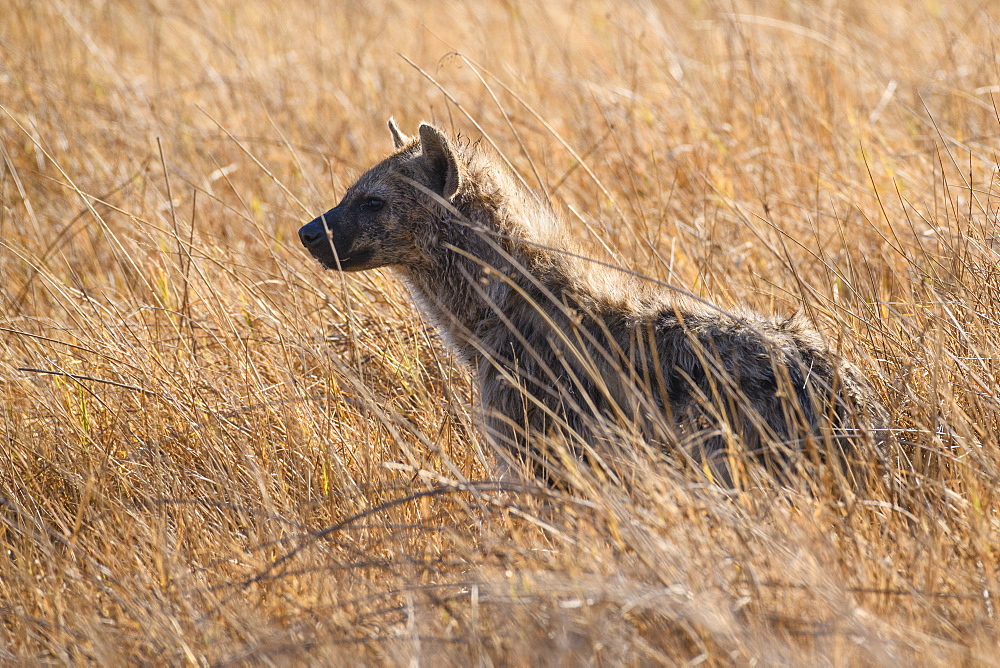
x=383, y=218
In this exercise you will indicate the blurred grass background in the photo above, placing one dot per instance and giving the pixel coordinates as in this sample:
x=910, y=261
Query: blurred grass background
x=213, y=452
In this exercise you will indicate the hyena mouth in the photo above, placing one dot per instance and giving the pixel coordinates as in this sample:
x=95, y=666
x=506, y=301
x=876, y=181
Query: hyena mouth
x=354, y=260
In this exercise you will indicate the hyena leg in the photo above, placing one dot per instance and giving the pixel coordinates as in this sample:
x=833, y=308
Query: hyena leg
x=507, y=441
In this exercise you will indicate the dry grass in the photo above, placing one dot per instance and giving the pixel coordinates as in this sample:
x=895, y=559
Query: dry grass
x=234, y=457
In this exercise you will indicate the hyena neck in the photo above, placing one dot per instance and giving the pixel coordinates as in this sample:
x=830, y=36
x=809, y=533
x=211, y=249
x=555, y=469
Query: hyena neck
x=505, y=245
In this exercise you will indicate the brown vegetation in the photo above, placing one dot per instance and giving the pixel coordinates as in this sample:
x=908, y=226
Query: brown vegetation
x=213, y=453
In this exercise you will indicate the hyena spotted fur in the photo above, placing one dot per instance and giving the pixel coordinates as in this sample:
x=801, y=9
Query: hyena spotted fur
x=568, y=350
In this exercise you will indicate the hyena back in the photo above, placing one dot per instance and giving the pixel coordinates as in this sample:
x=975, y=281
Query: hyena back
x=566, y=348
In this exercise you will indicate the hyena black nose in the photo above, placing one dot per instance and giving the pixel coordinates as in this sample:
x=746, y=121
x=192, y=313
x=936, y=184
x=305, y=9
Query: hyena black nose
x=311, y=234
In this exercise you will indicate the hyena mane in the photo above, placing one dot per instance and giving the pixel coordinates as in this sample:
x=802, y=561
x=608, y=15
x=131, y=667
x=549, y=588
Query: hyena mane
x=567, y=350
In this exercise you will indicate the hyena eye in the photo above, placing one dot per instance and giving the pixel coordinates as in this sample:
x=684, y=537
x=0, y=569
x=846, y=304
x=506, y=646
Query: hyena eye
x=372, y=204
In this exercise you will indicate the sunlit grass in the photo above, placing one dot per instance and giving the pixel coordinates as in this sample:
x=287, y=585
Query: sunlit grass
x=214, y=452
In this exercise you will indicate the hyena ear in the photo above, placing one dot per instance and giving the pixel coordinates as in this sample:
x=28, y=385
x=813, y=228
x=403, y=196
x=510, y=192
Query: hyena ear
x=398, y=138
x=442, y=165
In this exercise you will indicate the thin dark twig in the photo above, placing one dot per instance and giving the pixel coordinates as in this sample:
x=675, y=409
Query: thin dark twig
x=50, y=372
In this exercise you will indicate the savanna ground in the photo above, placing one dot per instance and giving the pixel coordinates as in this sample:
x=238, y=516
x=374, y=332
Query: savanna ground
x=214, y=452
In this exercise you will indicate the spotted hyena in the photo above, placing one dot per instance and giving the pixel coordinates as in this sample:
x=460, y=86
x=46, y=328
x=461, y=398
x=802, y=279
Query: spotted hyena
x=568, y=350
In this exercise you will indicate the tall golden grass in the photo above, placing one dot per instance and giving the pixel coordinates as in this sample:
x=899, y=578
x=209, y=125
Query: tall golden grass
x=213, y=452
